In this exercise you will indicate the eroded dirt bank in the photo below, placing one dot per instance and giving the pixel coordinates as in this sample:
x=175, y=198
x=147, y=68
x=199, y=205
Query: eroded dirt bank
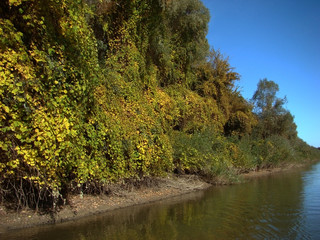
x=86, y=205
x=119, y=197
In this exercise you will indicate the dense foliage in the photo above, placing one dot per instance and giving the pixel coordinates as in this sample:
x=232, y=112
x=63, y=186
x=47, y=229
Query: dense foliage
x=97, y=91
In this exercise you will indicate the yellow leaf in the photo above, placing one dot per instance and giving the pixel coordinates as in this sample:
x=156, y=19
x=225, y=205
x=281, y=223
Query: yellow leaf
x=6, y=109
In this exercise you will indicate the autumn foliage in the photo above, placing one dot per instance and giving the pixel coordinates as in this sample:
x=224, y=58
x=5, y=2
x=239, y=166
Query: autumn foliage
x=97, y=91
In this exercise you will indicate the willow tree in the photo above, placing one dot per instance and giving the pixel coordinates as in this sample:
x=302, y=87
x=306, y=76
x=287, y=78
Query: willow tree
x=274, y=119
x=178, y=42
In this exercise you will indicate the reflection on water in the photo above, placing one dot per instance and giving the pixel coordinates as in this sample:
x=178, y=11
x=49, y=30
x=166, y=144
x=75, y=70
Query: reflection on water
x=311, y=201
x=281, y=206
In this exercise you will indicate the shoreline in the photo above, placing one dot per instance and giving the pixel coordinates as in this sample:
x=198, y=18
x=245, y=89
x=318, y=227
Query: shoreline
x=89, y=205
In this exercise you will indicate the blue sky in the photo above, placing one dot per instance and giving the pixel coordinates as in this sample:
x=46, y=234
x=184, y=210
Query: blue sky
x=278, y=40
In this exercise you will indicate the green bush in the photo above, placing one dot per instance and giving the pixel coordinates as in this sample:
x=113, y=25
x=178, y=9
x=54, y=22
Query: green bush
x=204, y=152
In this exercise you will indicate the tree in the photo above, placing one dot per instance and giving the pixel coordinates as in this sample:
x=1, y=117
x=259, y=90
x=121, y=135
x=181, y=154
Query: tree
x=274, y=119
x=241, y=119
x=265, y=99
x=187, y=35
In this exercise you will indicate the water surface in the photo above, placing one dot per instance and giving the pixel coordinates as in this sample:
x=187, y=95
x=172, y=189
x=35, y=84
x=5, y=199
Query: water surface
x=279, y=206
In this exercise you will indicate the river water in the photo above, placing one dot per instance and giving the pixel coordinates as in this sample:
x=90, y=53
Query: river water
x=280, y=206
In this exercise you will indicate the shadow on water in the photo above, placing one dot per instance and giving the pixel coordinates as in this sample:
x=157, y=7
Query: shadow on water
x=280, y=206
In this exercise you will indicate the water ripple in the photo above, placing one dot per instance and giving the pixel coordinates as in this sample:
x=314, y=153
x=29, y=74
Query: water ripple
x=282, y=206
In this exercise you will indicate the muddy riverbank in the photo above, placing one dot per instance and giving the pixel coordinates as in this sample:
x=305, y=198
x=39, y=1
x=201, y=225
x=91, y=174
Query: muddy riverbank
x=158, y=189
